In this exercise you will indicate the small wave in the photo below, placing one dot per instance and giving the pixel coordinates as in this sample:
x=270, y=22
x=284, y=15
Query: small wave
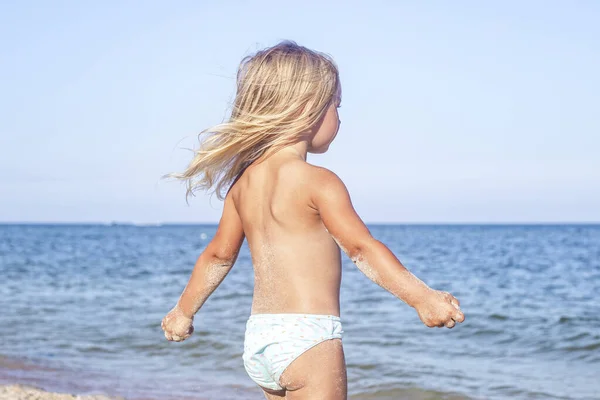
x=363, y=367
x=97, y=349
x=488, y=332
x=509, y=339
x=577, y=337
x=408, y=394
x=589, y=347
x=564, y=319
x=506, y=390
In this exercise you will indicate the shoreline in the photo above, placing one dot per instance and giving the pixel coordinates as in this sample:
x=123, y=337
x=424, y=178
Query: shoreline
x=24, y=379
x=28, y=392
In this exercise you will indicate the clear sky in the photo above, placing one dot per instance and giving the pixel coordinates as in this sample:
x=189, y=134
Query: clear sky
x=453, y=111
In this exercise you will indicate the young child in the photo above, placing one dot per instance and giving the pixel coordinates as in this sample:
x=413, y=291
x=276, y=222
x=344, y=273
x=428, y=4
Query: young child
x=296, y=217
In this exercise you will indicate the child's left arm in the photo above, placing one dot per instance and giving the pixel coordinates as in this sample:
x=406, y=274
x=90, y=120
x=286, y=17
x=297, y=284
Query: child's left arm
x=212, y=266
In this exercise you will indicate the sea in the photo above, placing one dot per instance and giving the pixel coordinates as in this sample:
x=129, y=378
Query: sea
x=81, y=306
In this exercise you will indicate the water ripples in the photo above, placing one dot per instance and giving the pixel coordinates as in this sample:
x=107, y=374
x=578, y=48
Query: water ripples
x=90, y=298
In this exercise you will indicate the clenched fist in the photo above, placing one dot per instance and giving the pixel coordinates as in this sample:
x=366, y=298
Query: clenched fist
x=177, y=326
x=439, y=309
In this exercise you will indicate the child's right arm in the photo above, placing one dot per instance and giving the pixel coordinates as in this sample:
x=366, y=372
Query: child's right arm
x=374, y=259
x=212, y=266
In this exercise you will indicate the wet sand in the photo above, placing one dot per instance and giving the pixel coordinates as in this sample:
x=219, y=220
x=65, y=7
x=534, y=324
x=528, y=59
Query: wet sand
x=22, y=380
x=22, y=392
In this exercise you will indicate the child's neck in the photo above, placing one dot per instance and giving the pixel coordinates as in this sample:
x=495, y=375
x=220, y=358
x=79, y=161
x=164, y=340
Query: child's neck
x=300, y=149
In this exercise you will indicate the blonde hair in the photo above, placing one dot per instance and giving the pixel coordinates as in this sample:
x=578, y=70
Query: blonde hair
x=282, y=92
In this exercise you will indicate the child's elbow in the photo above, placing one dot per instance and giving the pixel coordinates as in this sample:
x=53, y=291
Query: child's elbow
x=225, y=259
x=224, y=248
x=222, y=256
x=359, y=246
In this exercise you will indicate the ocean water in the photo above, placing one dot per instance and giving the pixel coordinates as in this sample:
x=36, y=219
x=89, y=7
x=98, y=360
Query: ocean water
x=80, y=311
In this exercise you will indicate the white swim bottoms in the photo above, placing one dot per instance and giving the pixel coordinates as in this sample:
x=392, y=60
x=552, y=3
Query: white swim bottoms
x=273, y=341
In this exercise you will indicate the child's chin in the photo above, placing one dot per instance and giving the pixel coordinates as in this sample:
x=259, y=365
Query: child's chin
x=320, y=150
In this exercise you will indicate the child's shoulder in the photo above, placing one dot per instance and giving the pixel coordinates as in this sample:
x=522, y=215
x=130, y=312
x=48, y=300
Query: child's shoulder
x=299, y=173
x=324, y=176
x=323, y=179
x=315, y=173
x=305, y=170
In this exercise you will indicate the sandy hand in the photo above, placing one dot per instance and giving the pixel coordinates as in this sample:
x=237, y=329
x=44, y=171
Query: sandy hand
x=440, y=309
x=177, y=326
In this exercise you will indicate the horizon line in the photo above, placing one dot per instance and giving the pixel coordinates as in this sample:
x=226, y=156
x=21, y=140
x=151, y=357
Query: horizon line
x=216, y=223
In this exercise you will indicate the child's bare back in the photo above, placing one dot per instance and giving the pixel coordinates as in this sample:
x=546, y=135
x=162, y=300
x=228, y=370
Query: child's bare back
x=296, y=217
x=296, y=261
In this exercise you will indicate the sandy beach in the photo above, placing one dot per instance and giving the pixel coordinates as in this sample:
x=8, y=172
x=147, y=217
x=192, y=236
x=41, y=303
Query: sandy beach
x=22, y=392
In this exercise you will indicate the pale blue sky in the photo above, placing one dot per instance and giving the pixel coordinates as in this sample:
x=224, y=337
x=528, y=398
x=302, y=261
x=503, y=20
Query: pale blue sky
x=453, y=111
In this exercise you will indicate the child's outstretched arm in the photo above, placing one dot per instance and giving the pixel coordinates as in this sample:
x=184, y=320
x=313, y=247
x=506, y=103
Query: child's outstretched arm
x=212, y=266
x=374, y=259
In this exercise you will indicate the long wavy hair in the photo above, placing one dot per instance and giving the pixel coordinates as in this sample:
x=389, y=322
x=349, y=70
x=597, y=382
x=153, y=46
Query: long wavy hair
x=282, y=92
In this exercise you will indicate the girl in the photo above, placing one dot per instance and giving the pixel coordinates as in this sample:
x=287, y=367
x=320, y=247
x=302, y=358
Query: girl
x=296, y=218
